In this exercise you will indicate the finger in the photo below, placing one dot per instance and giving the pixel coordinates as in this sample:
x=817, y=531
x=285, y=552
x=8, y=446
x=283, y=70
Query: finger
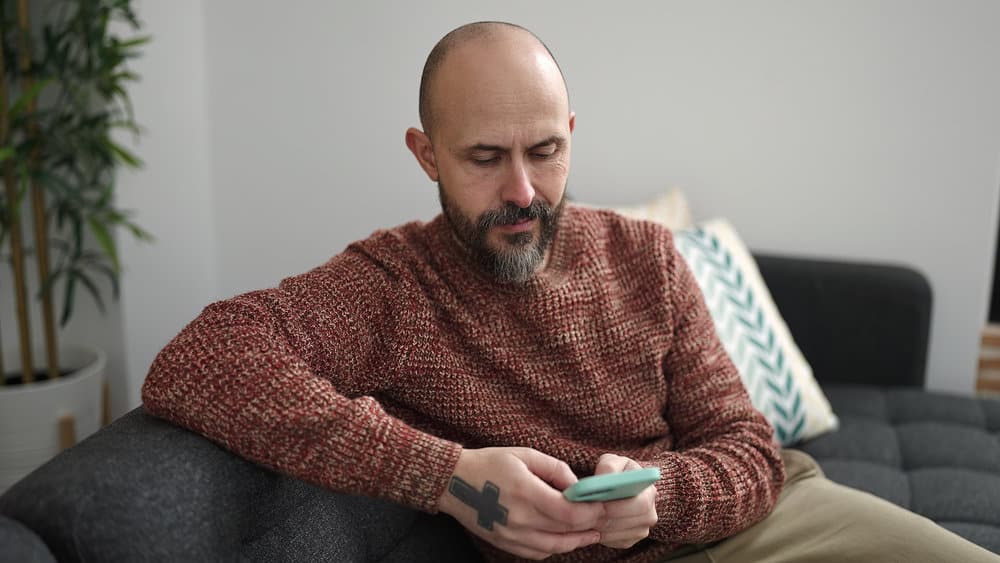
x=548, y=543
x=576, y=516
x=522, y=551
x=549, y=502
x=624, y=539
x=546, y=508
x=551, y=470
x=537, y=520
x=642, y=503
x=560, y=516
x=625, y=524
x=555, y=513
x=610, y=463
x=632, y=464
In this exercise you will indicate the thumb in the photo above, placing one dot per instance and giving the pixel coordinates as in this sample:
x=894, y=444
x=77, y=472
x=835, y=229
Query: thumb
x=551, y=470
x=611, y=463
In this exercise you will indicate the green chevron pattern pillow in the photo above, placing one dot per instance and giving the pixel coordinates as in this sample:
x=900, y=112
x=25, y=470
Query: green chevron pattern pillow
x=780, y=382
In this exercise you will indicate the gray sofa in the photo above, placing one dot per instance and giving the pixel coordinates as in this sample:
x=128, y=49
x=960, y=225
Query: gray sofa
x=145, y=490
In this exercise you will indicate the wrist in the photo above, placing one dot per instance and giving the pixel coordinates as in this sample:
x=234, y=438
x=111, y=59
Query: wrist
x=447, y=501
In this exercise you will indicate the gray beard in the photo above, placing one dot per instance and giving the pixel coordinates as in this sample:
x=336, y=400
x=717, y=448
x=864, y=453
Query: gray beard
x=518, y=263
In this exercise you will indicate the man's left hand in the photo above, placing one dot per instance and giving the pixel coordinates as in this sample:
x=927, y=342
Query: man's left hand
x=628, y=520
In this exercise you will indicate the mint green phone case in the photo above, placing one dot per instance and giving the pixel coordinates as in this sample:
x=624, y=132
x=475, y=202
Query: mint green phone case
x=612, y=486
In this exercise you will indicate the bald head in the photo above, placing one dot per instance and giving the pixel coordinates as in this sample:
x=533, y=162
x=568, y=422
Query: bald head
x=481, y=35
x=497, y=141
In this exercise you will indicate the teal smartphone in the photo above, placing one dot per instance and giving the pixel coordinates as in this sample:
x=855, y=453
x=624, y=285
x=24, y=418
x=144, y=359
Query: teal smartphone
x=612, y=486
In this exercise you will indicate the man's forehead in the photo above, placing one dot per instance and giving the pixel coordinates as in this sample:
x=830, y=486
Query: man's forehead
x=503, y=118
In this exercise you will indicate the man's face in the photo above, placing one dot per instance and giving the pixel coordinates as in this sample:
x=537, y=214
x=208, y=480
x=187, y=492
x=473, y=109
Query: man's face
x=501, y=153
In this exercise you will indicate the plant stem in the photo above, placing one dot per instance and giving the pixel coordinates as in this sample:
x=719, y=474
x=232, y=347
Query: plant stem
x=41, y=222
x=16, y=244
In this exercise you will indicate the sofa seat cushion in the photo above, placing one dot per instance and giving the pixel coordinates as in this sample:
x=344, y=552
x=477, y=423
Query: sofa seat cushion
x=933, y=453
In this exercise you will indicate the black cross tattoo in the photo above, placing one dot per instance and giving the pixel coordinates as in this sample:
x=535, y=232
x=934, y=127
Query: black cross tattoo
x=486, y=503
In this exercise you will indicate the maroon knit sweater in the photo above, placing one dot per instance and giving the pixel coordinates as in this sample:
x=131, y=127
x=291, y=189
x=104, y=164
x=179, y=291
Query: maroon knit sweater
x=369, y=373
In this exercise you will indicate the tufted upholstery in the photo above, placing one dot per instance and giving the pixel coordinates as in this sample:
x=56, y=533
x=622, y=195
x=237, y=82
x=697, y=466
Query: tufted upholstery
x=145, y=490
x=935, y=454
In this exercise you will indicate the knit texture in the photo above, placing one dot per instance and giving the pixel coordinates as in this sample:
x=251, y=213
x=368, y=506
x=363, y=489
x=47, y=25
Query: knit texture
x=368, y=375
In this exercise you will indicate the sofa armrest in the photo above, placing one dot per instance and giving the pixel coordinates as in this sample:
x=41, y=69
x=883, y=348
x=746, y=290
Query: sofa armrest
x=18, y=544
x=143, y=489
x=855, y=323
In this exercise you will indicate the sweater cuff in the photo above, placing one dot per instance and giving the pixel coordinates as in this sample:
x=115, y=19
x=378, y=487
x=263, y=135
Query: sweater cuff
x=418, y=466
x=673, y=488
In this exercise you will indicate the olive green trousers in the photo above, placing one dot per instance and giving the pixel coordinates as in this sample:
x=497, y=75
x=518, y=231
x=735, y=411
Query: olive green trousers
x=817, y=520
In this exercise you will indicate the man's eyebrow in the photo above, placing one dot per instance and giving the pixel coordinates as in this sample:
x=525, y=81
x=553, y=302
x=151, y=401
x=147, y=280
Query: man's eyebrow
x=557, y=140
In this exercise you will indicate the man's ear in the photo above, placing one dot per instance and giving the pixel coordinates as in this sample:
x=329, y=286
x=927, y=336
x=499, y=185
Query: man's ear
x=420, y=145
x=572, y=121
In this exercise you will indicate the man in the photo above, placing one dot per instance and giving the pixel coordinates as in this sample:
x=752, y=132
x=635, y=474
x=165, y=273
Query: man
x=477, y=365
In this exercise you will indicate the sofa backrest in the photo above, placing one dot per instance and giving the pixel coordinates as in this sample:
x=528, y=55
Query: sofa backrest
x=857, y=323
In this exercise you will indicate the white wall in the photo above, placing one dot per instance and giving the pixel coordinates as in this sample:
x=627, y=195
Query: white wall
x=854, y=129
x=866, y=130
x=166, y=283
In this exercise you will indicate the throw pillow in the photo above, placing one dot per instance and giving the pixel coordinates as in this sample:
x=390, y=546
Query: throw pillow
x=778, y=378
x=670, y=209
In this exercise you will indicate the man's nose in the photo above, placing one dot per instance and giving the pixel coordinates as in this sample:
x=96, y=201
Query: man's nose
x=518, y=189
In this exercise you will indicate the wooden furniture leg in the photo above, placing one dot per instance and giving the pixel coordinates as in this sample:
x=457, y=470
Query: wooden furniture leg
x=67, y=432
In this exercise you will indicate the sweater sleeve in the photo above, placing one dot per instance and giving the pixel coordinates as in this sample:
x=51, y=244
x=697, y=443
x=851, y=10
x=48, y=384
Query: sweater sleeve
x=725, y=471
x=285, y=377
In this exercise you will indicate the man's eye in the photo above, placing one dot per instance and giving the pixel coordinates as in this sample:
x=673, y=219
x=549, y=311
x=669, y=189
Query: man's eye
x=545, y=152
x=486, y=161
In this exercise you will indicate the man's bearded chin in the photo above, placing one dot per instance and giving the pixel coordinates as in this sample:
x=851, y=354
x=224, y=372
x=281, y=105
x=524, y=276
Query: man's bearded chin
x=518, y=260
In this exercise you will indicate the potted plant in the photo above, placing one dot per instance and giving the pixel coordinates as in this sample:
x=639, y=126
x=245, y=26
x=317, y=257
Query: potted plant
x=62, y=98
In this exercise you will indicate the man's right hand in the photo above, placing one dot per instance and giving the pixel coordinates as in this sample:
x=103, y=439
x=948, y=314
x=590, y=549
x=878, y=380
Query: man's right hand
x=512, y=498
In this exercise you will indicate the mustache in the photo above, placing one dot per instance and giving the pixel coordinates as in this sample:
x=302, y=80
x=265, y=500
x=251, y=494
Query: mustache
x=510, y=214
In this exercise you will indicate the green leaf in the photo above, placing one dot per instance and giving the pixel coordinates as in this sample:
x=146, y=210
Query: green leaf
x=68, y=295
x=125, y=156
x=111, y=274
x=115, y=216
x=54, y=183
x=77, y=232
x=104, y=239
x=135, y=41
x=124, y=75
x=28, y=96
x=138, y=232
x=126, y=124
x=6, y=152
x=91, y=287
x=54, y=276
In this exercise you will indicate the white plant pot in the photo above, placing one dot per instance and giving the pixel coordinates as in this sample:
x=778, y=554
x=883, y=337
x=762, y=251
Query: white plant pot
x=29, y=414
